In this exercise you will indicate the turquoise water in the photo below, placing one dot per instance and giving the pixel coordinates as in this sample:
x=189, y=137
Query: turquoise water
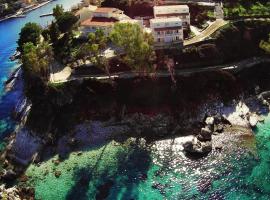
x=241, y=172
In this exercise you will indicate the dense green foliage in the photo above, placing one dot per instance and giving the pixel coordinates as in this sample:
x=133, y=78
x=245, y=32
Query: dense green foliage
x=66, y=21
x=235, y=41
x=36, y=62
x=241, y=39
x=246, y=8
x=58, y=11
x=30, y=33
x=137, y=45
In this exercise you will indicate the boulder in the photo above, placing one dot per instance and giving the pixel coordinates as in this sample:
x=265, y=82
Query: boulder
x=8, y=175
x=253, y=120
x=205, y=135
x=210, y=121
x=219, y=128
x=196, y=147
x=57, y=174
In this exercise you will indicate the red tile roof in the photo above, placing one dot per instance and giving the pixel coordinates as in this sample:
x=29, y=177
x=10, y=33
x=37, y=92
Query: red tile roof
x=104, y=19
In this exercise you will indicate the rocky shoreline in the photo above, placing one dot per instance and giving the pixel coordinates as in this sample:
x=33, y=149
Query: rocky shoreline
x=198, y=133
x=25, y=147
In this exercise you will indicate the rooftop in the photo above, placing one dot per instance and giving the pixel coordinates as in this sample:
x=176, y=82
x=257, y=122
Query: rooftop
x=172, y=7
x=99, y=21
x=105, y=10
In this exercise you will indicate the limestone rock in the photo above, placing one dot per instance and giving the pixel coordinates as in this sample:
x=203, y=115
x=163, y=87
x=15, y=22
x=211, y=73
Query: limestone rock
x=253, y=120
x=210, y=120
x=195, y=147
x=205, y=135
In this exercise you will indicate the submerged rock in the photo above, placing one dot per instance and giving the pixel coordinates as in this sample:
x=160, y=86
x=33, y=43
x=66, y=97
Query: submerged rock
x=57, y=174
x=204, y=185
x=159, y=187
x=104, y=190
x=142, y=176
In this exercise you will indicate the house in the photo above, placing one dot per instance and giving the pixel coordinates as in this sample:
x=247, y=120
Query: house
x=95, y=23
x=167, y=31
x=102, y=18
x=181, y=11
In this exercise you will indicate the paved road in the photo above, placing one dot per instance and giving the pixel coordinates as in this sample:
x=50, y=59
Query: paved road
x=207, y=32
x=236, y=66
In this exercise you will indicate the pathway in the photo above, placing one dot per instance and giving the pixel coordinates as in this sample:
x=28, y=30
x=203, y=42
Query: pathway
x=207, y=32
x=235, y=66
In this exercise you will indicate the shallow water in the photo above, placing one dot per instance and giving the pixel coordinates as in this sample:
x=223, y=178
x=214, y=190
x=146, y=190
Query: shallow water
x=160, y=172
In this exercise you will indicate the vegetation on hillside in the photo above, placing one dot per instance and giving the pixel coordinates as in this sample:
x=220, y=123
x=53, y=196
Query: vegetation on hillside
x=30, y=33
x=241, y=8
x=237, y=40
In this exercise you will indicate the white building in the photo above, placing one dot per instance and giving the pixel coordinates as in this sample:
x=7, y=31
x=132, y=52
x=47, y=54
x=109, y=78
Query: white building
x=181, y=11
x=167, y=31
x=104, y=18
x=108, y=12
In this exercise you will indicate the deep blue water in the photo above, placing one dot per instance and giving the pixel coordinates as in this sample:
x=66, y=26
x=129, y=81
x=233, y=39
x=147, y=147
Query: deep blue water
x=9, y=33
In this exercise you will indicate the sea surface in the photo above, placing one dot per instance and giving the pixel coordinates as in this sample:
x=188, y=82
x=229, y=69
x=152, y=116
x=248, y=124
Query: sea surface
x=128, y=171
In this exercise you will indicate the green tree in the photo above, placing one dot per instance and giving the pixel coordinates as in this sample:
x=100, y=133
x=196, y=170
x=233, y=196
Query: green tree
x=37, y=59
x=66, y=22
x=54, y=33
x=137, y=45
x=58, y=11
x=30, y=33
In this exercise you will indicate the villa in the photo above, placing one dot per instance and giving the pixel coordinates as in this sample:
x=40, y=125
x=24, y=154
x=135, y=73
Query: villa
x=181, y=11
x=104, y=18
x=167, y=31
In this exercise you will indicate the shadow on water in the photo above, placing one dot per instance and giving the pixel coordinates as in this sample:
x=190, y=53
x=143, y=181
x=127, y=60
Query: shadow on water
x=109, y=182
